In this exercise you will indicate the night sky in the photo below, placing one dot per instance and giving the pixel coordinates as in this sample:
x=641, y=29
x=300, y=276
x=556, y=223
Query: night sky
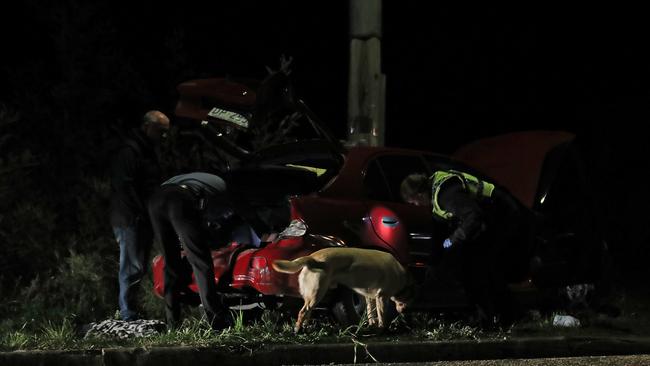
x=453, y=74
x=459, y=73
x=490, y=70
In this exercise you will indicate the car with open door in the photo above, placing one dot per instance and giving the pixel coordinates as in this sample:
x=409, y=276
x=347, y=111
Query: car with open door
x=316, y=192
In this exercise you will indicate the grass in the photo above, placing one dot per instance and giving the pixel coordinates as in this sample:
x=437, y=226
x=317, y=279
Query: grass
x=634, y=319
x=275, y=327
x=270, y=328
x=58, y=336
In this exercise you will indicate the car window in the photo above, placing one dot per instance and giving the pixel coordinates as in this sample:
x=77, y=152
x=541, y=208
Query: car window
x=375, y=183
x=394, y=169
x=437, y=162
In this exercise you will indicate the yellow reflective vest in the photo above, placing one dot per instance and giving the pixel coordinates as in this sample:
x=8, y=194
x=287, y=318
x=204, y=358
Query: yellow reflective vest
x=476, y=187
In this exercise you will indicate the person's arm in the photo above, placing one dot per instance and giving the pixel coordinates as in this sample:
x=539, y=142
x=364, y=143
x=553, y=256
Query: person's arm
x=123, y=175
x=465, y=210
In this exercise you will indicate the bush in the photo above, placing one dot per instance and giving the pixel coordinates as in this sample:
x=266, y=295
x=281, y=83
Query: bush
x=59, y=258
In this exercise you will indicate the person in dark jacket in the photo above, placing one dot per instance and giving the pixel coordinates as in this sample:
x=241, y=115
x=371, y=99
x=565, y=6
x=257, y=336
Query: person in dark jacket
x=489, y=236
x=193, y=212
x=135, y=172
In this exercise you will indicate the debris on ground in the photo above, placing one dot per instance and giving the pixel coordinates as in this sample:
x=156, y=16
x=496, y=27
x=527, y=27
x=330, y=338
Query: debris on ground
x=120, y=329
x=565, y=321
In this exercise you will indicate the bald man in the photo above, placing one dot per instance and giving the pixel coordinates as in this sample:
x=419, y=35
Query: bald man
x=135, y=173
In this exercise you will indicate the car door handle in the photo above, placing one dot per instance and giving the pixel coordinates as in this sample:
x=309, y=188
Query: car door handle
x=389, y=221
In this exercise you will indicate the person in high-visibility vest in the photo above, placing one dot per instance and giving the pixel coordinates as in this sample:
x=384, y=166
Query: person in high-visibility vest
x=488, y=238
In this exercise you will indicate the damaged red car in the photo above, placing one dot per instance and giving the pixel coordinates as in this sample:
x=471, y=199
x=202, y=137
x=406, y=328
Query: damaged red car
x=325, y=194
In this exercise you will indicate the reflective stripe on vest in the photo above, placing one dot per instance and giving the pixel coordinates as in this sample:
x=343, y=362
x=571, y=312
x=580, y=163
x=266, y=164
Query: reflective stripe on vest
x=476, y=187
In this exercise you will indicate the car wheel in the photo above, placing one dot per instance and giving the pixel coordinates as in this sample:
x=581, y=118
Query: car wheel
x=349, y=308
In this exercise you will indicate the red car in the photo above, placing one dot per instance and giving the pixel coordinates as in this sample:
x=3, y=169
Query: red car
x=349, y=196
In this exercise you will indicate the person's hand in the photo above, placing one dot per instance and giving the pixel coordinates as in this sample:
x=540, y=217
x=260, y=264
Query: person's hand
x=447, y=243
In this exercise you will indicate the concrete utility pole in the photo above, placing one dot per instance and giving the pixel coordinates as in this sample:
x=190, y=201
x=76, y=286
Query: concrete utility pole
x=367, y=86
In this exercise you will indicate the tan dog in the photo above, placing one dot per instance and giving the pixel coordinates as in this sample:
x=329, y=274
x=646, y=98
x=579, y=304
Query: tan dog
x=371, y=273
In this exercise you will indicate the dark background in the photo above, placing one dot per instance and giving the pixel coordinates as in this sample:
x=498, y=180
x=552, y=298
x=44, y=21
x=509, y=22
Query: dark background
x=461, y=73
x=70, y=68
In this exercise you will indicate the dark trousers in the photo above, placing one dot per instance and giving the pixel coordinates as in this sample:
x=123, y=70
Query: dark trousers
x=175, y=215
x=498, y=256
x=483, y=277
x=511, y=235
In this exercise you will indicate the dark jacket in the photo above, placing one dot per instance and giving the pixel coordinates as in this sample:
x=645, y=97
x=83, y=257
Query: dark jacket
x=135, y=173
x=501, y=214
x=468, y=215
x=221, y=204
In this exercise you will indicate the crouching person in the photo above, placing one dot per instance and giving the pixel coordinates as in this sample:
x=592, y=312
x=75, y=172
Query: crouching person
x=489, y=240
x=179, y=210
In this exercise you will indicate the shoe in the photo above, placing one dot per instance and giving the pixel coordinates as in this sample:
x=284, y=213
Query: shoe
x=220, y=324
x=173, y=316
x=221, y=321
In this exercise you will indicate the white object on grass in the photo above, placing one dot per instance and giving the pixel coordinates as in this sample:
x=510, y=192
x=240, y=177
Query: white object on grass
x=565, y=321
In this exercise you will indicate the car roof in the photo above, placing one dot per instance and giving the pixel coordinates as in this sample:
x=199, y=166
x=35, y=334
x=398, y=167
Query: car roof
x=349, y=181
x=514, y=161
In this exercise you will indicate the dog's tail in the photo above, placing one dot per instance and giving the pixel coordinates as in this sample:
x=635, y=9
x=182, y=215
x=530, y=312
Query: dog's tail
x=295, y=265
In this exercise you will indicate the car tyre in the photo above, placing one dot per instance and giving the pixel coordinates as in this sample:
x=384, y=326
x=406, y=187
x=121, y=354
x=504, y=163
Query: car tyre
x=349, y=308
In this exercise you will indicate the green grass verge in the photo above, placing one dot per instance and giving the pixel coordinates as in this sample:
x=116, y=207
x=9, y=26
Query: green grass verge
x=270, y=328
x=276, y=328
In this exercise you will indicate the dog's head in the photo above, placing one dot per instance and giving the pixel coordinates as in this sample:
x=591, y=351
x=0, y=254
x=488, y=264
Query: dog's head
x=406, y=296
